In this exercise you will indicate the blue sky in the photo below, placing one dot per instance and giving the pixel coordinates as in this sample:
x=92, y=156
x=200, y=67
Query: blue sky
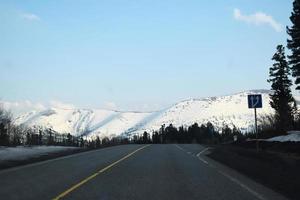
x=136, y=54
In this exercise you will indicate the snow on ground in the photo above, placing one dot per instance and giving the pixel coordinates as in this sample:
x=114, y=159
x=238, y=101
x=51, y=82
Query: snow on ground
x=291, y=137
x=24, y=153
x=118, y=124
x=230, y=110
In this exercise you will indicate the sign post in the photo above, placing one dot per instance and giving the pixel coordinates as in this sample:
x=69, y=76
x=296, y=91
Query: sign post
x=255, y=101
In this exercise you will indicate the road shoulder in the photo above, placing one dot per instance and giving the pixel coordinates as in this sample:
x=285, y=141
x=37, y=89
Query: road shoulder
x=203, y=153
x=274, y=171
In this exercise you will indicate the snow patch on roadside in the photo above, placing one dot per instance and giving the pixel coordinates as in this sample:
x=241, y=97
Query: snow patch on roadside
x=292, y=137
x=24, y=153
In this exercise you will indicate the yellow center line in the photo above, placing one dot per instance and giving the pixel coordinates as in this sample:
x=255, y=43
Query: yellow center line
x=74, y=187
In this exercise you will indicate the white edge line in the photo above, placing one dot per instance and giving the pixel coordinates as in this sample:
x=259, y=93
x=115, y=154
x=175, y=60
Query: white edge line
x=242, y=185
x=179, y=147
x=201, y=152
x=203, y=161
x=226, y=175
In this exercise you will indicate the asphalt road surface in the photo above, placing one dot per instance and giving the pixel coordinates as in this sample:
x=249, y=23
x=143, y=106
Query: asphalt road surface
x=132, y=172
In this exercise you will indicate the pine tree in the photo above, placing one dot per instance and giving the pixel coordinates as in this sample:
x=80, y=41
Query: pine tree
x=145, y=137
x=98, y=142
x=294, y=43
x=281, y=98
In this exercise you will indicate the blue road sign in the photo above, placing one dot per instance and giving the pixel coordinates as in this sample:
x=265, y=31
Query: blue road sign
x=255, y=101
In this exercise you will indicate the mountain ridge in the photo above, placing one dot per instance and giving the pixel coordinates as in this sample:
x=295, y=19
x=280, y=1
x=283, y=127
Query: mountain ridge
x=219, y=110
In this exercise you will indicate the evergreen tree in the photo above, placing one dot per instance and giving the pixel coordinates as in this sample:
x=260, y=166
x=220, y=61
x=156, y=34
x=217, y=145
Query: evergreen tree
x=195, y=133
x=281, y=98
x=162, y=134
x=181, y=134
x=294, y=42
x=98, y=142
x=171, y=134
x=4, y=139
x=145, y=137
x=5, y=123
x=155, y=138
x=69, y=139
x=227, y=135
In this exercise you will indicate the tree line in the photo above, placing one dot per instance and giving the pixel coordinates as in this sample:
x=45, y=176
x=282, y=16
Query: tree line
x=204, y=134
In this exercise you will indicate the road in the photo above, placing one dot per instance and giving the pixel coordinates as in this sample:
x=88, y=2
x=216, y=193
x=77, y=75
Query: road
x=132, y=172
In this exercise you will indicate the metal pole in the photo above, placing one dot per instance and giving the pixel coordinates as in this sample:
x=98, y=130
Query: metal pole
x=256, y=129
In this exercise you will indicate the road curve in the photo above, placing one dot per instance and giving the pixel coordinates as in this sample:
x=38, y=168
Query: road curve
x=132, y=172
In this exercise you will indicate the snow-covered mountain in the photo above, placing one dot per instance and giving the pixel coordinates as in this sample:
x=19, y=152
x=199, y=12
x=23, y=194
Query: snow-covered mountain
x=230, y=109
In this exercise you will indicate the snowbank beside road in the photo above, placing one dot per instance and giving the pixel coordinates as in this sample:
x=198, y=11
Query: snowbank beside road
x=293, y=136
x=24, y=153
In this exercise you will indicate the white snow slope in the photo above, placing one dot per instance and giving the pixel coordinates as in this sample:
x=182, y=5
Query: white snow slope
x=230, y=110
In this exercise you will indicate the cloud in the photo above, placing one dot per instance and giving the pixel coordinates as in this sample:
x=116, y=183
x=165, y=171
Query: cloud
x=258, y=18
x=19, y=107
x=110, y=106
x=61, y=105
x=30, y=17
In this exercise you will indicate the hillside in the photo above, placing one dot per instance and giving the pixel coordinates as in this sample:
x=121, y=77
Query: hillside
x=230, y=110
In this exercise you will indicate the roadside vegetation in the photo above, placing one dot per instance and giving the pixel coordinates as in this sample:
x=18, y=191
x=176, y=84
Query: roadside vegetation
x=205, y=134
